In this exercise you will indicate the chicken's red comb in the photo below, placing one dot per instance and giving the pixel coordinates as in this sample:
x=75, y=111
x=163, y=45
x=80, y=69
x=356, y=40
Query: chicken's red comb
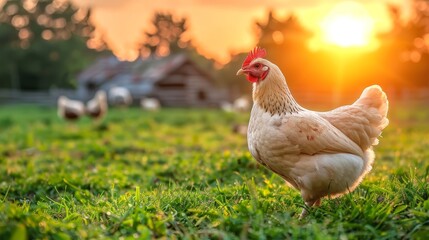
x=257, y=52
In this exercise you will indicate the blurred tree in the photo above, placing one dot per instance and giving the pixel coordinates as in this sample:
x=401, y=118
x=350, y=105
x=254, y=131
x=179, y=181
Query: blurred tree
x=42, y=43
x=167, y=36
x=287, y=45
x=289, y=34
x=236, y=85
x=401, y=60
x=405, y=47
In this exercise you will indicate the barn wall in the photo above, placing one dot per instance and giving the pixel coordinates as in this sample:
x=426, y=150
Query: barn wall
x=185, y=87
x=199, y=91
x=182, y=84
x=170, y=91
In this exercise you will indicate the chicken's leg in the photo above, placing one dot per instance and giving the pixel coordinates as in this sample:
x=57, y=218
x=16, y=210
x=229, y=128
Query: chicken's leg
x=309, y=204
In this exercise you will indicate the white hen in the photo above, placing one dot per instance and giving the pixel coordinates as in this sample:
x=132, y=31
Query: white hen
x=97, y=107
x=120, y=96
x=319, y=153
x=70, y=109
x=150, y=104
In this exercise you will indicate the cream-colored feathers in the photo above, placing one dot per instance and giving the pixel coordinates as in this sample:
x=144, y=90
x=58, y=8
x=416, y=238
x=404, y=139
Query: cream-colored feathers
x=319, y=153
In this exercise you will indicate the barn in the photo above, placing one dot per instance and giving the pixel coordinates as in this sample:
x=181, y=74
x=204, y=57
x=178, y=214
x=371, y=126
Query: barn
x=176, y=81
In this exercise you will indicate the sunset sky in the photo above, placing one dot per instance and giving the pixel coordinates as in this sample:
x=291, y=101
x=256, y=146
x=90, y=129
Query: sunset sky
x=217, y=27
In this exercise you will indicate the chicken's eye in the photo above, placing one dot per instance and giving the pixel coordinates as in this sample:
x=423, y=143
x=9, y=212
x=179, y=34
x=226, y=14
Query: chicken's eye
x=257, y=65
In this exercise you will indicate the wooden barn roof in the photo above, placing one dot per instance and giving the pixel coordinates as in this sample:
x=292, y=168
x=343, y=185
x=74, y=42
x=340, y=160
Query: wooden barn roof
x=149, y=69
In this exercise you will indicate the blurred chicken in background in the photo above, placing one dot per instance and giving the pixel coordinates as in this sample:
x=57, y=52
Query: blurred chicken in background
x=151, y=104
x=96, y=108
x=241, y=104
x=226, y=106
x=120, y=97
x=70, y=109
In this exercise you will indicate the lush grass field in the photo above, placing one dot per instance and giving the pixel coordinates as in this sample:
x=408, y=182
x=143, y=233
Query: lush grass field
x=185, y=174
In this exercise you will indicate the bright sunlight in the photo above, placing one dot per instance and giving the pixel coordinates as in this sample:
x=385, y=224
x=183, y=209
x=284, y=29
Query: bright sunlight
x=348, y=24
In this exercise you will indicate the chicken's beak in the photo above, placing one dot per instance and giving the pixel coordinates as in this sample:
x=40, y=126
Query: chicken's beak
x=240, y=71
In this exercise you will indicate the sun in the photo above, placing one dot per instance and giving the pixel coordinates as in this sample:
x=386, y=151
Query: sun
x=348, y=24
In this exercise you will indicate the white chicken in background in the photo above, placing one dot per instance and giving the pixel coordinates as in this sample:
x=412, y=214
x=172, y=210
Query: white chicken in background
x=96, y=108
x=151, y=104
x=241, y=104
x=319, y=153
x=120, y=96
x=70, y=109
x=227, y=107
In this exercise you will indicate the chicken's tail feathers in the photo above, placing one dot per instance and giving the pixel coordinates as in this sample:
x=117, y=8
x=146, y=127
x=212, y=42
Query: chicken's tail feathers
x=372, y=98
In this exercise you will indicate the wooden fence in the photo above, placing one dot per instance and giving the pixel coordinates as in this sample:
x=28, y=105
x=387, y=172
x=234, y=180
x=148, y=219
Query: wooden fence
x=49, y=98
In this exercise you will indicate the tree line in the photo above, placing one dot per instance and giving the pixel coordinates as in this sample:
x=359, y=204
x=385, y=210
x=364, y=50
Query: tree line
x=45, y=45
x=401, y=61
x=42, y=44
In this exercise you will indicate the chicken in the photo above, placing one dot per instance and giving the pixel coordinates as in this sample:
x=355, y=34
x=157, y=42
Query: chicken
x=120, y=96
x=70, y=109
x=150, y=104
x=241, y=104
x=321, y=154
x=226, y=107
x=97, y=107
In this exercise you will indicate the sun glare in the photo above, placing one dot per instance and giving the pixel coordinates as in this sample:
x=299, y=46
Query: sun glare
x=348, y=24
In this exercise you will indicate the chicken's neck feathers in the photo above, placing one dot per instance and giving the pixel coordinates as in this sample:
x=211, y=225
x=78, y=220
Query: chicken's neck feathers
x=273, y=95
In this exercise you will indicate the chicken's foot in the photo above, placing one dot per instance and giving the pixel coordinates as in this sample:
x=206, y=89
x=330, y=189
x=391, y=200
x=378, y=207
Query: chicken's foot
x=309, y=204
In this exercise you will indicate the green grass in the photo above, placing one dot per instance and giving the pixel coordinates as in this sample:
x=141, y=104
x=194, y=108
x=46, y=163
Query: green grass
x=183, y=174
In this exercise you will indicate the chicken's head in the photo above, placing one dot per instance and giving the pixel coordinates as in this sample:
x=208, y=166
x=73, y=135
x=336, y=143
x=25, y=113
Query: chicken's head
x=255, y=67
